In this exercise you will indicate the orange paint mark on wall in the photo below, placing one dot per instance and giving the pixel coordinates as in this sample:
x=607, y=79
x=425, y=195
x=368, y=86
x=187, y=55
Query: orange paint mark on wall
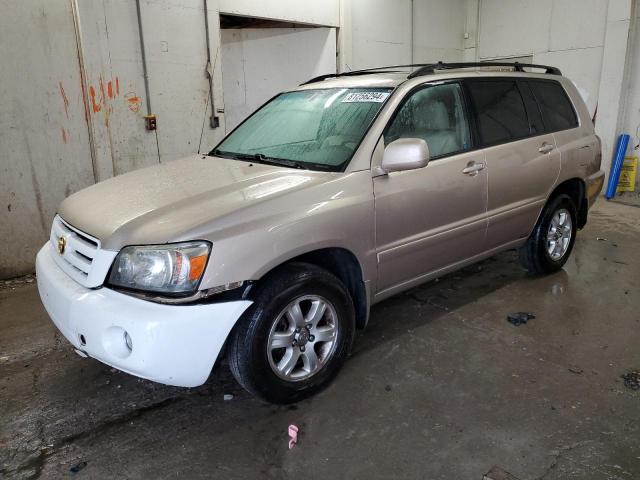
x=94, y=105
x=133, y=101
x=102, y=95
x=65, y=100
x=65, y=135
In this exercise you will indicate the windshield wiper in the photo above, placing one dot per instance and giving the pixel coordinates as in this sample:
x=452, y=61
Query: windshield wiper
x=261, y=158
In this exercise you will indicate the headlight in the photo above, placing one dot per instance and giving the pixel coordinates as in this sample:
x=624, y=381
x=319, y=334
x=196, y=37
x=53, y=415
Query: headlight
x=172, y=268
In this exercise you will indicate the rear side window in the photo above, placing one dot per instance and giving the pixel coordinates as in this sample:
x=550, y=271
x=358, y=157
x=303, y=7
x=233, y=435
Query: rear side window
x=500, y=111
x=557, y=111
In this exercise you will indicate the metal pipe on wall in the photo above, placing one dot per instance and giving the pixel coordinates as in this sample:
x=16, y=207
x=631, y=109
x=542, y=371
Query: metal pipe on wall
x=83, y=82
x=149, y=117
x=214, y=121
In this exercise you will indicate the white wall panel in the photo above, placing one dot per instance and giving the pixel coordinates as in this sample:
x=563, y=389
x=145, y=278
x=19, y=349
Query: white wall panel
x=316, y=12
x=514, y=28
x=611, y=96
x=632, y=99
x=258, y=63
x=380, y=33
x=577, y=24
x=438, y=30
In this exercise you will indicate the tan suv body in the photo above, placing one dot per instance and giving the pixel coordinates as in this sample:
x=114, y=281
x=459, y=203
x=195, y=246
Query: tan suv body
x=447, y=167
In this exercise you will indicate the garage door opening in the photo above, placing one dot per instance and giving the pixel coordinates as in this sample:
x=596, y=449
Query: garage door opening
x=262, y=57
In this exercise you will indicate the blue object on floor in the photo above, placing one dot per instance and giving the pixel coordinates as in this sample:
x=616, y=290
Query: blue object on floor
x=616, y=165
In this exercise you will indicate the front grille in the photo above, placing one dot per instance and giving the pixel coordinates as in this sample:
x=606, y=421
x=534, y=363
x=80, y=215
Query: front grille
x=79, y=254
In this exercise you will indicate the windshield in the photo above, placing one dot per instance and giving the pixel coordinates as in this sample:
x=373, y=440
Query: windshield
x=318, y=129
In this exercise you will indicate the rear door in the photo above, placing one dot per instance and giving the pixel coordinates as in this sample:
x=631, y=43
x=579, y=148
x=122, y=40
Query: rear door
x=521, y=157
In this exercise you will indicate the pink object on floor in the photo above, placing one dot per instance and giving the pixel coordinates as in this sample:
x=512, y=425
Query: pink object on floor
x=293, y=436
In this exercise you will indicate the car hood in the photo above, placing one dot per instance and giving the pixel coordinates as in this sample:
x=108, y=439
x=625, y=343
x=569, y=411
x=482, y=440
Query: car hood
x=164, y=203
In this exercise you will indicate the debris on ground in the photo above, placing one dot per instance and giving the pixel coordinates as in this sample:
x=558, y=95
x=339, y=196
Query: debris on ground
x=518, y=318
x=576, y=370
x=77, y=467
x=497, y=473
x=601, y=239
x=632, y=380
x=227, y=397
x=12, y=283
x=293, y=436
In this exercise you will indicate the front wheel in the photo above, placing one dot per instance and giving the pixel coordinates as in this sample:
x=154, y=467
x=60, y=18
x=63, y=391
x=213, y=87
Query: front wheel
x=295, y=337
x=551, y=242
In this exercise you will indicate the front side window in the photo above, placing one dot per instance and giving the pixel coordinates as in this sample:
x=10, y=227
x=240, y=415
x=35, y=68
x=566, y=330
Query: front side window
x=556, y=108
x=435, y=114
x=500, y=111
x=318, y=129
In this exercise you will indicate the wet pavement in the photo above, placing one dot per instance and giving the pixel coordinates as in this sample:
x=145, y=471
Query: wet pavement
x=440, y=386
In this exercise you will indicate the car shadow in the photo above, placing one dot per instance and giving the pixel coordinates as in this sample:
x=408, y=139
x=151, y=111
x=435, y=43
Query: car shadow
x=438, y=298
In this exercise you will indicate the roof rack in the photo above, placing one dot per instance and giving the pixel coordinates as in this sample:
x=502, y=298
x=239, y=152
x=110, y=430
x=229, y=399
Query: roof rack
x=430, y=69
x=365, y=71
x=517, y=67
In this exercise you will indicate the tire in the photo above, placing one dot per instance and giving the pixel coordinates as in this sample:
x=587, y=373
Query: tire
x=535, y=255
x=256, y=355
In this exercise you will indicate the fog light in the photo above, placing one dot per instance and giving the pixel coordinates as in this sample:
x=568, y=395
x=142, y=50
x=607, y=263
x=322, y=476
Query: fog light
x=116, y=342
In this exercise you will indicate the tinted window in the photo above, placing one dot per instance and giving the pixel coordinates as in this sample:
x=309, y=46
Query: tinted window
x=557, y=111
x=500, y=111
x=435, y=114
x=536, y=127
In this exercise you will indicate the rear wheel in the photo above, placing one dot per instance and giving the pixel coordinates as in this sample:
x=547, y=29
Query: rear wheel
x=551, y=242
x=295, y=337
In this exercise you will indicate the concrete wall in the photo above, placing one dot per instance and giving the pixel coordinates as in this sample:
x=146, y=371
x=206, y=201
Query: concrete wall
x=438, y=30
x=381, y=32
x=631, y=102
x=44, y=145
x=589, y=40
x=258, y=63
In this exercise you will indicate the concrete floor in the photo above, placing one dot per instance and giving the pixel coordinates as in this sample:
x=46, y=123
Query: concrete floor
x=440, y=386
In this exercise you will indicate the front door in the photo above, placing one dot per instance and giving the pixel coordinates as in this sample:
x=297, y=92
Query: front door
x=434, y=217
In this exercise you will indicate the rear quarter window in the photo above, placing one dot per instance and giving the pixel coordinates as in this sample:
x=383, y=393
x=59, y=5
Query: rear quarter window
x=557, y=111
x=500, y=111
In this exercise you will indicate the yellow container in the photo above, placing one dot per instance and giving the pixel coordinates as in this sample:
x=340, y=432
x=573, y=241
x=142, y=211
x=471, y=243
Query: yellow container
x=628, y=174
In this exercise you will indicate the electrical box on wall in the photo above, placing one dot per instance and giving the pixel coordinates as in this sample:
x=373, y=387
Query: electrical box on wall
x=150, y=121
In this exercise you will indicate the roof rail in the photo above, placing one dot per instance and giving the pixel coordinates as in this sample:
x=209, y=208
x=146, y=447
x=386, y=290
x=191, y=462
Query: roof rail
x=366, y=71
x=430, y=69
x=517, y=67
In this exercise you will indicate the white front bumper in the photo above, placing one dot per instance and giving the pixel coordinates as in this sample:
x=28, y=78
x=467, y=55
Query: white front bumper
x=171, y=344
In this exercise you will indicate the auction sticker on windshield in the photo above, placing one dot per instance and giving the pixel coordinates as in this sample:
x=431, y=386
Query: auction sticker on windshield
x=378, y=97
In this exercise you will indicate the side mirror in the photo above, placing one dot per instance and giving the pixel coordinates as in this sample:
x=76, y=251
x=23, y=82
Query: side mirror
x=405, y=154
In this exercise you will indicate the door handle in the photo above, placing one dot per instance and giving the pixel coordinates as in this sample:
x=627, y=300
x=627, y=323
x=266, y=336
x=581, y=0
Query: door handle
x=545, y=148
x=473, y=168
